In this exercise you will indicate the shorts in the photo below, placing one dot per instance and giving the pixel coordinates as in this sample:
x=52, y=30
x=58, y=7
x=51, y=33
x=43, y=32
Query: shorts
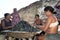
x=51, y=37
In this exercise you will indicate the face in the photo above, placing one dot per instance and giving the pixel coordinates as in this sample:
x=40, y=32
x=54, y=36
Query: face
x=8, y=17
x=36, y=17
x=15, y=10
x=48, y=13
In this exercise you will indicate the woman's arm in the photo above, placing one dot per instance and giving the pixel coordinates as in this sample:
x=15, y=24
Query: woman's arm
x=40, y=27
x=47, y=24
x=3, y=25
x=44, y=28
x=34, y=24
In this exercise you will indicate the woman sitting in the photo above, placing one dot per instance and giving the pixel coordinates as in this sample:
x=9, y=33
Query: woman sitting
x=6, y=23
x=37, y=20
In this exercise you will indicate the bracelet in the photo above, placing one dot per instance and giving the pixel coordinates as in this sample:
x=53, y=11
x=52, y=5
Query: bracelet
x=42, y=33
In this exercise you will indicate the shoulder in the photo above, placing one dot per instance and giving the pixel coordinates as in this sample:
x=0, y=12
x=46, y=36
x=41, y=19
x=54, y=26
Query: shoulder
x=53, y=18
x=3, y=20
x=49, y=19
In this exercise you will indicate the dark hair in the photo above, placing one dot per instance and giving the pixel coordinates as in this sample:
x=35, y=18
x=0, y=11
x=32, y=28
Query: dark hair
x=54, y=12
x=15, y=9
x=36, y=15
x=51, y=9
x=6, y=14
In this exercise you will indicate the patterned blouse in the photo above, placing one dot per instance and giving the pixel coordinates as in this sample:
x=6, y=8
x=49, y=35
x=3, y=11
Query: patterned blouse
x=15, y=18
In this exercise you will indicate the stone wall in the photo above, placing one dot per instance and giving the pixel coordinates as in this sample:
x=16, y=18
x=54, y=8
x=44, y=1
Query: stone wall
x=28, y=13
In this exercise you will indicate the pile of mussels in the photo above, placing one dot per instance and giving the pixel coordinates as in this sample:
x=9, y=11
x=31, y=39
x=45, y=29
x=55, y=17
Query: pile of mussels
x=24, y=26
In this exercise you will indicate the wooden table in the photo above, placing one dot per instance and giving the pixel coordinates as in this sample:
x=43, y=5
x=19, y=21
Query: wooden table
x=20, y=35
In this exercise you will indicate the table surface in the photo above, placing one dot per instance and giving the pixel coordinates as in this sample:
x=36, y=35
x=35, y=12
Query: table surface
x=20, y=34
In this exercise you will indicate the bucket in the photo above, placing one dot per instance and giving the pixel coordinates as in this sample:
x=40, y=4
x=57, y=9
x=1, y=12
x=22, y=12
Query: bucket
x=2, y=37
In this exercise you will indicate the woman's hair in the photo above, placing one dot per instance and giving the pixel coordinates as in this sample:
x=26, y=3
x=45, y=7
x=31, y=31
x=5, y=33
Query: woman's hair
x=15, y=9
x=6, y=14
x=36, y=15
x=54, y=12
x=51, y=9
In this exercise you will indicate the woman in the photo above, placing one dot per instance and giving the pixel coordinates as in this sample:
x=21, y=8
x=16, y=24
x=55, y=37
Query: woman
x=37, y=20
x=15, y=15
x=51, y=27
x=6, y=23
x=15, y=19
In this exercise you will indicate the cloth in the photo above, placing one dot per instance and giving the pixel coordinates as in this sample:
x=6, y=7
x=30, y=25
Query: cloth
x=51, y=37
x=7, y=23
x=15, y=18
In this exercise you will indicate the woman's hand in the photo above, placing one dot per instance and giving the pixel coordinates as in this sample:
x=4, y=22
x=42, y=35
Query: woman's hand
x=40, y=27
x=12, y=26
x=42, y=33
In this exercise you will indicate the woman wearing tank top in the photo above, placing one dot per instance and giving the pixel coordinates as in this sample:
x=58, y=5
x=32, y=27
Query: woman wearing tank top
x=6, y=23
x=51, y=26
